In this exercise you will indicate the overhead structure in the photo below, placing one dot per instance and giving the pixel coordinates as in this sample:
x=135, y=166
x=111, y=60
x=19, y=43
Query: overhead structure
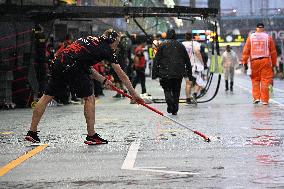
x=62, y=12
x=40, y=15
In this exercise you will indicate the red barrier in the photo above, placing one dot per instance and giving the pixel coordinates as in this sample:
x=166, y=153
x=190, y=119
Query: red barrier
x=15, y=34
x=13, y=58
x=15, y=46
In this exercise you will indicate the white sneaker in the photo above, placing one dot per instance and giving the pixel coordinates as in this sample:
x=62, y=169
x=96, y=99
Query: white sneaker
x=264, y=103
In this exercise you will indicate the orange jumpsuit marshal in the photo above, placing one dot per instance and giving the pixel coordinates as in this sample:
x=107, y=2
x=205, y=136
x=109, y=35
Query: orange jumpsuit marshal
x=261, y=51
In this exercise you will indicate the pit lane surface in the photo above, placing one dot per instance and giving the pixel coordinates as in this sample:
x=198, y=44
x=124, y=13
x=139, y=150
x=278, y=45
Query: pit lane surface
x=146, y=150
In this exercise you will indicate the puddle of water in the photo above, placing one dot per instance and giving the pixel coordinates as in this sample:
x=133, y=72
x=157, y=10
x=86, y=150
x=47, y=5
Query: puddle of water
x=265, y=140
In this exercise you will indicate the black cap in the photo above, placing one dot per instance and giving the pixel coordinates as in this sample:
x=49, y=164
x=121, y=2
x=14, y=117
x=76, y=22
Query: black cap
x=260, y=25
x=109, y=36
x=171, y=34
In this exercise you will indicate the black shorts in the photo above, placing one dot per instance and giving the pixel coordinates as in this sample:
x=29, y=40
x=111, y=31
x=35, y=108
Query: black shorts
x=76, y=78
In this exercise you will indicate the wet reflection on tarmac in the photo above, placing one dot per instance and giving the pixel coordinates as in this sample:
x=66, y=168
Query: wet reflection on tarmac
x=246, y=149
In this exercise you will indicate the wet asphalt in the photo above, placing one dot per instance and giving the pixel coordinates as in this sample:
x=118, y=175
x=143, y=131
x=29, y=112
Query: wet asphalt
x=146, y=150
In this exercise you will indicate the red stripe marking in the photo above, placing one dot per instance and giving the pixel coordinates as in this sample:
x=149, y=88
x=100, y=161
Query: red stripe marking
x=15, y=46
x=15, y=34
x=12, y=58
x=19, y=79
x=15, y=69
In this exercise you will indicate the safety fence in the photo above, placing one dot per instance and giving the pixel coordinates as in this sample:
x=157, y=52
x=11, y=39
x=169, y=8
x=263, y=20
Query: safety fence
x=17, y=73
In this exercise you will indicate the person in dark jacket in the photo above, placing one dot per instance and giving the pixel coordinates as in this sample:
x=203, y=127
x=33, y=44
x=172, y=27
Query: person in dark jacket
x=171, y=64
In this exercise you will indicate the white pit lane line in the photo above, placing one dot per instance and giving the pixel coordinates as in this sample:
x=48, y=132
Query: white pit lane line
x=129, y=162
x=271, y=99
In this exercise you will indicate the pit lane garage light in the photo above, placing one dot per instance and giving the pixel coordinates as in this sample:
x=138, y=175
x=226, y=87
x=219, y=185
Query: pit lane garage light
x=178, y=22
x=69, y=2
x=169, y=3
x=229, y=38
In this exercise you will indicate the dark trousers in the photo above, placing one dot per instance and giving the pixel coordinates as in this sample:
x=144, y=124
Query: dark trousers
x=172, y=92
x=140, y=77
x=98, y=88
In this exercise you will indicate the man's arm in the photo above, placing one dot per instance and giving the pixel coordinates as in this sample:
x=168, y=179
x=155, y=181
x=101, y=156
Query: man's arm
x=246, y=51
x=187, y=64
x=155, y=68
x=96, y=75
x=273, y=52
x=198, y=55
x=187, y=61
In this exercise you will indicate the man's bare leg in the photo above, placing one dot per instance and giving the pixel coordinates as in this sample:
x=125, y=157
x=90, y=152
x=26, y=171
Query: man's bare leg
x=187, y=88
x=197, y=88
x=39, y=110
x=89, y=112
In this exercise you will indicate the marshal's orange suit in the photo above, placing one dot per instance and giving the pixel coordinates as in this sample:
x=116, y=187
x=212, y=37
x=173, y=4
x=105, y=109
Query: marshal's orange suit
x=261, y=51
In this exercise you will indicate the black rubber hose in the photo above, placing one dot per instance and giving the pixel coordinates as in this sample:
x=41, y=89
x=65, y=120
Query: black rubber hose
x=207, y=86
x=216, y=91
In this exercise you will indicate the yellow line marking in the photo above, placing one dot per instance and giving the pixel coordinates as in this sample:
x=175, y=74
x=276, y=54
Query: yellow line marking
x=6, y=133
x=21, y=159
x=168, y=121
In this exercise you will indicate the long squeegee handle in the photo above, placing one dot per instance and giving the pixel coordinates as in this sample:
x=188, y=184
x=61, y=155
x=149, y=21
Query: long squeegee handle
x=142, y=103
x=158, y=112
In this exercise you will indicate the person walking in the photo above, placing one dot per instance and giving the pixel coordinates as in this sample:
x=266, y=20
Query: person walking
x=139, y=65
x=229, y=60
x=73, y=67
x=193, y=50
x=261, y=51
x=171, y=64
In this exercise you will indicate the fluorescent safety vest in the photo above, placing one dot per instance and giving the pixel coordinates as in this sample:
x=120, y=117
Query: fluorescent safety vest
x=259, y=45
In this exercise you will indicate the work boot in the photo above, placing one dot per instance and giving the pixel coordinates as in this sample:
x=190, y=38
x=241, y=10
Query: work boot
x=32, y=137
x=95, y=139
x=231, y=85
x=188, y=100
x=169, y=109
x=226, y=85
